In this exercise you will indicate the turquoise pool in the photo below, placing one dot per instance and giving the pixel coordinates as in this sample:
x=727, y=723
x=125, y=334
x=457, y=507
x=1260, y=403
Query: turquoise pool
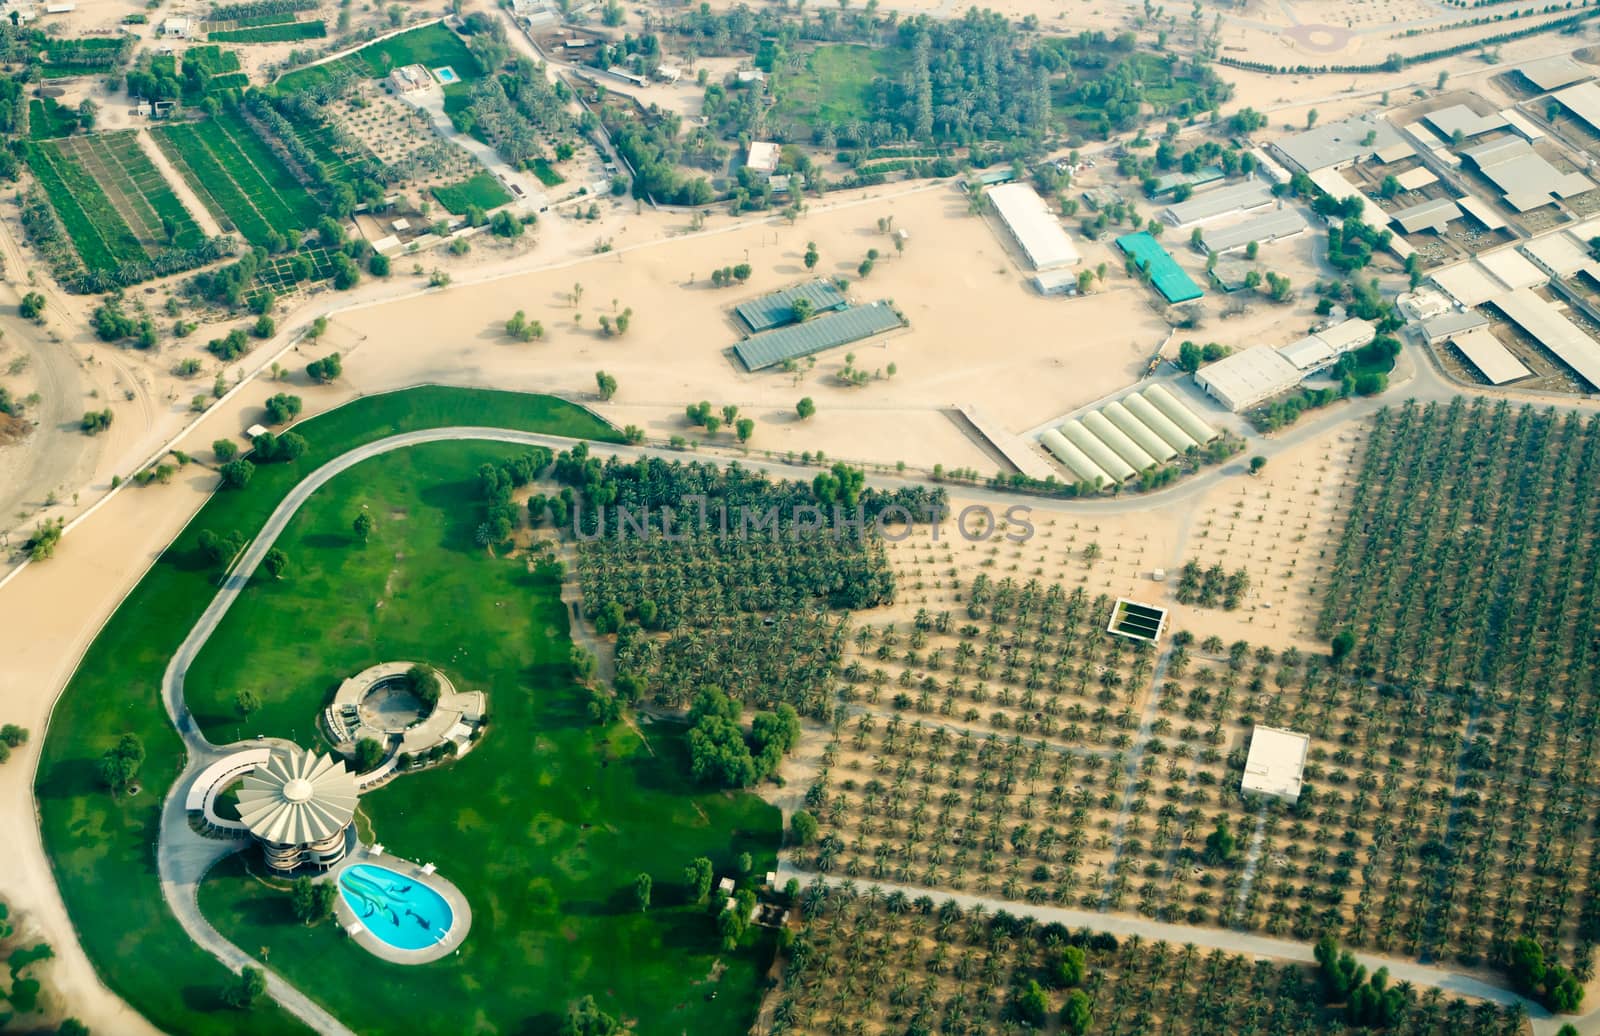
x=404, y=912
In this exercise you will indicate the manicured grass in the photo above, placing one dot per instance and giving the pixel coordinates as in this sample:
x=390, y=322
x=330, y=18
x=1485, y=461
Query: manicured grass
x=547, y=176
x=482, y=190
x=48, y=120
x=102, y=850
x=432, y=45
x=98, y=232
x=836, y=85
x=272, y=33
x=543, y=825
x=239, y=177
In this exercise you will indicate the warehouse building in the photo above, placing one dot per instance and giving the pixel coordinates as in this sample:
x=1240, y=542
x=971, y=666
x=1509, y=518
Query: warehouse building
x=1522, y=175
x=1231, y=200
x=1164, y=272
x=1434, y=214
x=1316, y=351
x=1447, y=325
x=1561, y=254
x=1276, y=763
x=1553, y=73
x=1334, y=145
x=1482, y=212
x=1032, y=226
x=1332, y=183
x=1583, y=101
x=1247, y=377
x=1458, y=118
x=1263, y=229
x=1484, y=351
x=1545, y=325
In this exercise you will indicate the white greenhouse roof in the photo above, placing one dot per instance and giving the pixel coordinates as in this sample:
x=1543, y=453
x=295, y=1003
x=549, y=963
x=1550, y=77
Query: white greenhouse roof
x=1037, y=231
x=1248, y=377
x=1179, y=413
x=1276, y=763
x=1555, y=332
x=1485, y=352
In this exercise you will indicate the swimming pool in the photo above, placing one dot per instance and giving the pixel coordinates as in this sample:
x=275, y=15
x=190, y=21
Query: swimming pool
x=402, y=911
x=447, y=75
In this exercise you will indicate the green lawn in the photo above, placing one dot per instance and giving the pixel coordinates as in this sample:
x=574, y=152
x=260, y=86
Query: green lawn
x=544, y=825
x=432, y=45
x=481, y=189
x=272, y=33
x=836, y=85
x=101, y=849
x=547, y=176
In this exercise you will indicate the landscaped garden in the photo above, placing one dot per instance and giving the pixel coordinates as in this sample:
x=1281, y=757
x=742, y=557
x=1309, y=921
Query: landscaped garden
x=481, y=190
x=433, y=45
x=102, y=848
x=544, y=825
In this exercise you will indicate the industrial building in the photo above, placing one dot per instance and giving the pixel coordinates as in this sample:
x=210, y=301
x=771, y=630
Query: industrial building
x=1334, y=145
x=1447, y=325
x=1247, y=377
x=1032, y=226
x=1489, y=275
x=828, y=331
x=1276, y=763
x=1434, y=214
x=1235, y=198
x=1583, y=101
x=1263, y=229
x=1332, y=183
x=1561, y=253
x=1416, y=179
x=1482, y=212
x=1316, y=351
x=1522, y=175
x=1485, y=352
x=777, y=308
x=1168, y=277
x=1540, y=320
x=1553, y=73
x=1458, y=118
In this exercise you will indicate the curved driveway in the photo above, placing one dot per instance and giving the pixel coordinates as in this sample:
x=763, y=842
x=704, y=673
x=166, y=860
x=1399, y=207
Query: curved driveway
x=184, y=857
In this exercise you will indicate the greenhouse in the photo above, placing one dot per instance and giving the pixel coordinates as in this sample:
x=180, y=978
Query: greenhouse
x=1180, y=414
x=777, y=308
x=1159, y=423
x=1124, y=447
x=1075, y=459
x=1135, y=429
x=828, y=331
x=1097, y=451
x=1165, y=273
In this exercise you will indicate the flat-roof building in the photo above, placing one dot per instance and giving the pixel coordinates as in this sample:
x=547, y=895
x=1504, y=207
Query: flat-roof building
x=1033, y=227
x=1316, y=351
x=1540, y=320
x=1521, y=125
x=1523, y=175
x=1458, y=118
x=1416, y=179
x=1332, y=183
x=1483, y=212
x=1263, y=228
x=1447, y=325
x=1434, y=214
x=1334, y=145
x=1583, y=101
x=1553, y=73
x=1247, y=377
x=1276, y=763
x=763, y=157
x=1560, y=254
x=1484, y=351
x=1230, y=200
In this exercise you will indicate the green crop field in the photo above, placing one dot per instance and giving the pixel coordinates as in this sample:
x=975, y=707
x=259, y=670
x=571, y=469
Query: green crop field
x=432, y=45
x=543, y=825
x=48, y=120
x=136, y=188
x=836, y=84
x=99, y=232
x=241, y=180
x=482, y=190
x=101, y=848
x=547, y=176
x=272, y=33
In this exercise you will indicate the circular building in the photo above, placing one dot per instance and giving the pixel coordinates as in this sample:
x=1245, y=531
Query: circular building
x=299, y=805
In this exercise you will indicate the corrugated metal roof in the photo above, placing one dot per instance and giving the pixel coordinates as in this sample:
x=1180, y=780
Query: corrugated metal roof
x=1222, y=201
x=1265, y=228
x=1337, y=143
x=1434, y=214
x=777, y=309
x=297, y=797
x=827, y=331
x=1248, y=377
x=1165, y=273
x=1458, y=118
x=1523, y=175
x=1494, y=361
x=1035, y=228
x=1482, y=212
x=1554, y=73
x=1553, y=331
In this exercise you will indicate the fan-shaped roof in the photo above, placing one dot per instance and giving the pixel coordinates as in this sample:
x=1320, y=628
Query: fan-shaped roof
x=297, y=797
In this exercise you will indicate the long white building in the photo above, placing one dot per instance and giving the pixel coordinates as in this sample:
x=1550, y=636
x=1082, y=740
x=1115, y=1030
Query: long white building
x=1033, y=227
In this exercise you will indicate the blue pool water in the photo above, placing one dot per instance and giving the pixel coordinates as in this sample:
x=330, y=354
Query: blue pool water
x=402, y=911
x=447, y=75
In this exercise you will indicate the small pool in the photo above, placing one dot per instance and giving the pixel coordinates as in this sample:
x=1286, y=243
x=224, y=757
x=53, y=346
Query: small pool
x=402, y=911
x=447, y=75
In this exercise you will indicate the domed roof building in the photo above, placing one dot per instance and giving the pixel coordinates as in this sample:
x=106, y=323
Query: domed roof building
x=299, y=806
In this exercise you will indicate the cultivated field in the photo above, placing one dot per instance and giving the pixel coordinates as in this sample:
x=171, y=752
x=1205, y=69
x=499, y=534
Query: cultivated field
x=238, y=177
x=481, y=190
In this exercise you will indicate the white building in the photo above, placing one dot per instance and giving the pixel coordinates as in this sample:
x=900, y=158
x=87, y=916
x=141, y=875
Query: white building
x=1247, y=377
x=410, y=78
x=1036, y=231
x=763, y=157
x=177, y=28
x=1276, y=764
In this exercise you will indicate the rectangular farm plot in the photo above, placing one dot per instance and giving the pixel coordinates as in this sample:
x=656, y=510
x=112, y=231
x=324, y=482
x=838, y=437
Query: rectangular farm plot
x=283, y=33
x=100, y=234
x=239, y=178
x=482, y=190
x=136, y=188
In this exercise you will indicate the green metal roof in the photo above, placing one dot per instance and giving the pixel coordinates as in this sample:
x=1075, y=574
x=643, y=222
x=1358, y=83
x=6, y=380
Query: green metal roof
x=777, y=309
x=1165, y=273
x=827, y=331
